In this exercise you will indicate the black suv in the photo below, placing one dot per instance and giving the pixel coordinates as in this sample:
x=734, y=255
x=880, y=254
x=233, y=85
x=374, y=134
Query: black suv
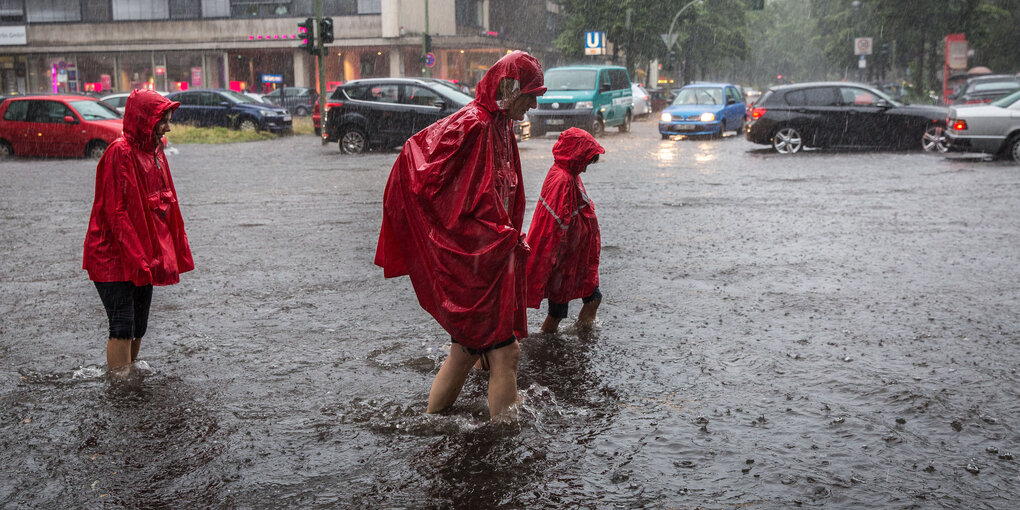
x=385, y=112
x=838, y=114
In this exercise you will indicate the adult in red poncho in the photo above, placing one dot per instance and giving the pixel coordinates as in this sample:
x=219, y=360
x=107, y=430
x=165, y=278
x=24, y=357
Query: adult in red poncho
x=564, y=234
x=136, y=235
x=452, y=216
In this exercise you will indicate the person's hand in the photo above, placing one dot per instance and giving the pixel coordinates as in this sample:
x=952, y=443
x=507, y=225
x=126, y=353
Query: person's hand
x=524, y=243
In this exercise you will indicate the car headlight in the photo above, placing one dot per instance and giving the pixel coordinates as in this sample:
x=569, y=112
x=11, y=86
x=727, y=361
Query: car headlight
x=666, y=117
x=707, y=117
x=584, y=104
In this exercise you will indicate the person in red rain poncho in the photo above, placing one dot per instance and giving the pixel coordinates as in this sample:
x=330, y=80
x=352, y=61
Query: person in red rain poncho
x=136, y=235
x=564, y=235
x=452, y=216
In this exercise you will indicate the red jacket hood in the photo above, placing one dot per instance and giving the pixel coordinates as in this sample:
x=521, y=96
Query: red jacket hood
x=517, y=65
x=143, y=110
x=574, y=149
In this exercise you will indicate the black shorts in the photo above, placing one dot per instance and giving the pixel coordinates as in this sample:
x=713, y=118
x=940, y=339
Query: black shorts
x=559, y=310
x=127, y=308
x=483, y=350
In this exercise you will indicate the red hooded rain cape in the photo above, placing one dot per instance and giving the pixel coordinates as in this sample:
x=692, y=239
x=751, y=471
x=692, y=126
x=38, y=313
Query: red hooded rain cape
x=453, y=211
x=136, y=232
x=564, y=232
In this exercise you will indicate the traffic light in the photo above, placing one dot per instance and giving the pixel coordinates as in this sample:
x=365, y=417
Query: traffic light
x=428, y=43
x=326, y=30
x=306, y=32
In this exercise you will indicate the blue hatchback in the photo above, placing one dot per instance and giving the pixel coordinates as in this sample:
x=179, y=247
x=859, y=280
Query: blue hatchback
x=703, y=109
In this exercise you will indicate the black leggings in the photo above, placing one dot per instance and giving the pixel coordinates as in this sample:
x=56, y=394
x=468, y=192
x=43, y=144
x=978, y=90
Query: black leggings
x=559, y=310
x=127, y=308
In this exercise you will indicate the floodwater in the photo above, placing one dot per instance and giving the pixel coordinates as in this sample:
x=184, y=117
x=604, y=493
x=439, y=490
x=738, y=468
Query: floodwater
x=829, y=330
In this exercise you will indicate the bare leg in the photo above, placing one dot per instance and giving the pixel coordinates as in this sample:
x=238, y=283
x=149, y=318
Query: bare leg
x=586, y=317
x=136, y=344
x=503, y=379
x=551, y=324
x=118, y=352
x=450, y=379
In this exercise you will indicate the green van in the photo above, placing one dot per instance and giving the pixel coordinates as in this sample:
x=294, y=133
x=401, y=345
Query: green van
x=588, y=97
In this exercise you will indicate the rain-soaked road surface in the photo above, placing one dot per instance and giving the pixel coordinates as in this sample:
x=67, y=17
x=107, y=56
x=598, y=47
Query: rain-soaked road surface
x=834, y=330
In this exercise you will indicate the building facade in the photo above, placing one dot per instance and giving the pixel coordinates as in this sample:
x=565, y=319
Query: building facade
x=103, y=46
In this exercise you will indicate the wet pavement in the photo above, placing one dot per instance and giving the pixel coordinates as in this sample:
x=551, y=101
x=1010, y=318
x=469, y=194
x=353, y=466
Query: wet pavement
x=832, y=329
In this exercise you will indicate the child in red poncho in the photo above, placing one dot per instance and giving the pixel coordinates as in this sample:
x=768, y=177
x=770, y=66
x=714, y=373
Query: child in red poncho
x=564, y=235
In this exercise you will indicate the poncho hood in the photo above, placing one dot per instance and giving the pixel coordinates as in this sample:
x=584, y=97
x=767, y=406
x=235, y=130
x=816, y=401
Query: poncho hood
x=574, y=149
x=143, y=110
x=516, y=65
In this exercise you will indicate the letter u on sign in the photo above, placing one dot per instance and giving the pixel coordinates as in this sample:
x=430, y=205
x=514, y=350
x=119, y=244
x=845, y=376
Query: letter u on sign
x=593, y=39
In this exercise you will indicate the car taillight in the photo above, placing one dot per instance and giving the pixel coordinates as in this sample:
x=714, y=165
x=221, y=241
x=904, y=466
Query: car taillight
x=977, y=101
x=756, y=113
x=958, y=125
x=333, y=105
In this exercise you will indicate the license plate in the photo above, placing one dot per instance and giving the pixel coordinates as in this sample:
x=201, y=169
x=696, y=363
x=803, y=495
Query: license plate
x=286, y=118
x=554, y=122
x=687, y=127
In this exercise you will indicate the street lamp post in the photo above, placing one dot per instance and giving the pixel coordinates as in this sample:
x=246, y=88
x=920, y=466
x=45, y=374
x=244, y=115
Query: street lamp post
x=671, y=39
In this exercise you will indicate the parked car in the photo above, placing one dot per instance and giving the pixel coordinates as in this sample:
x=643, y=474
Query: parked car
x=642, y=100
x=985, y=89
x=220, y=107
x=660, y=98
x=589, y=97
x=839, y=114
x=57, y=125
x=992, y=129
x=298, y=100
x=117, y=101
x=704, y=109
x=385, y=112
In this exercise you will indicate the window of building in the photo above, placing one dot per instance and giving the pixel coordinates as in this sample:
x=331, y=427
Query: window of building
x=185, y=9
x=468, y=13
x=42, y=11
x=369, y=6
x=96, y=10
x=96, y=71
x=268, y=9
x=215, y=8
x=12, y=10
x=140, y=9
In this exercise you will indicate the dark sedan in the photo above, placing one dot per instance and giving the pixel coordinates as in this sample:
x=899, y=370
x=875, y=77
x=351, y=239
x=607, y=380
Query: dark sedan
x=385, y=112
x=837, y=114
x=218, y=107
x=985, y=89
x=298, y=100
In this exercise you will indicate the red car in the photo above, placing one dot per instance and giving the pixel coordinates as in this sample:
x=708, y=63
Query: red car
x=57, y=125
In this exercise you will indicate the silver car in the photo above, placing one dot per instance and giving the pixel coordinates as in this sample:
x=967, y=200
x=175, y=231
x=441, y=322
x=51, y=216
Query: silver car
x=642, y=106
x=992, y=129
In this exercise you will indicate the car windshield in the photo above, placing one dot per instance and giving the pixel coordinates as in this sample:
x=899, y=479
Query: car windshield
x=995, y=85
x=570, y=79
x=94, y=110
x=238, y=97
x=699, y=95
x=1007, y=101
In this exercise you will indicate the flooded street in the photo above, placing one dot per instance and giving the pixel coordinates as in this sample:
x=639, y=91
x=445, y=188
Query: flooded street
x=831, y=330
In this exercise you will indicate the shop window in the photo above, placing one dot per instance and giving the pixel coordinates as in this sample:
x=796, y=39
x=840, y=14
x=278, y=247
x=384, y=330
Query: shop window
x=140, y=9
x=12, y=10
x=42, y=11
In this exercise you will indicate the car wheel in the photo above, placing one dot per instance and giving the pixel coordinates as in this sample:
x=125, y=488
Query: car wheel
x=598, y=127
x=301, y=111
x=740, y=128
x=722, y=129
x=95, y=150
x=1013, y=149
x=625, y=127
x=353, y=141
x=5, y=150
x=247, y=124
x=787, y=140
x=933, y=139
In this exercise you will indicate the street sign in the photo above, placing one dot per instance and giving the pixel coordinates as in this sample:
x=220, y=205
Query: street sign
x=862, y=46
x=956, y=54
x=272, y=78
x=669, y=39
x=862, y=63
x=430, y=59
x=594, y=43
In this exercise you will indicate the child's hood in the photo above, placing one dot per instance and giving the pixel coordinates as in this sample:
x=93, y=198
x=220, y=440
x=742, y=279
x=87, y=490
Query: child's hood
x=575, y=148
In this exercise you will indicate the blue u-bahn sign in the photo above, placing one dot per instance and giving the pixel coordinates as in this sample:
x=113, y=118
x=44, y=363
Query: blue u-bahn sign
x=594, y=43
